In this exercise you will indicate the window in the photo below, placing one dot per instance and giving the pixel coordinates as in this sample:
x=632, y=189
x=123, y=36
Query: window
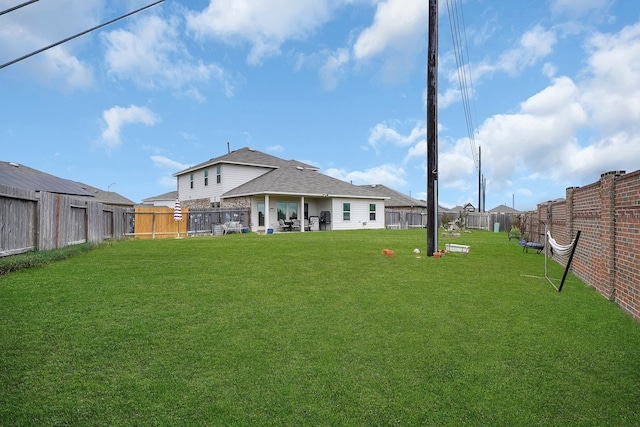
x=282, y=210
x=372, y=211
x=292, y=210
x=191, y=180
x=346, y=211
x=206, y=177
x=261, y=214
x=287, y=210
x=218, y=174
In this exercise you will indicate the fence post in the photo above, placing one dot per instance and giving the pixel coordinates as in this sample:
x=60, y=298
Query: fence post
x=608, y=224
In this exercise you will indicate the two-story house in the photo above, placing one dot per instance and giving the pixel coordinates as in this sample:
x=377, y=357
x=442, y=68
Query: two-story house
x=277, y=190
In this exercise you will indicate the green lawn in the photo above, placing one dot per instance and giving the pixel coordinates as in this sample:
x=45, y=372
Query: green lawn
x=312, y=329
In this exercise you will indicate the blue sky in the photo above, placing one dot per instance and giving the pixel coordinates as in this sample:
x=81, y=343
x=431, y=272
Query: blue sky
x=554, y=92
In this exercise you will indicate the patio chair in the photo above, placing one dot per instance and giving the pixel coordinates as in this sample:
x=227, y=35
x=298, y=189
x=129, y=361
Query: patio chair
x=533, y=245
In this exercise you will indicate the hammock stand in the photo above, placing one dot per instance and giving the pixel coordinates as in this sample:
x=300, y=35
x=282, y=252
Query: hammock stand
x=562, y=251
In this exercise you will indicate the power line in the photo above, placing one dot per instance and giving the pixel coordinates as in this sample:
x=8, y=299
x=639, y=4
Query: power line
x=11, y=9
x=78, y=35
x=460, y=46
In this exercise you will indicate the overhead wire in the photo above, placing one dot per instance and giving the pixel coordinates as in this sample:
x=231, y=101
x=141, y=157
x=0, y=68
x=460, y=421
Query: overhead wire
x=79, y=34
x=16, y=7
x=460, y=47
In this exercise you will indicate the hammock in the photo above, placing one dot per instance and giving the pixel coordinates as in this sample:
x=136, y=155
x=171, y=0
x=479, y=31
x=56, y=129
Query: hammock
x=561, y=250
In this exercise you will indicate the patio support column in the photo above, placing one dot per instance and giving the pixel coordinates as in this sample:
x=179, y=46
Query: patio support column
x=301, y=214
x=266, y=212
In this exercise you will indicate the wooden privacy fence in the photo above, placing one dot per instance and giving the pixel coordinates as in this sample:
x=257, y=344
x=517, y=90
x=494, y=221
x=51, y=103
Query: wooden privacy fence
x=404, y=219
x=32, y=220
x=158, y=222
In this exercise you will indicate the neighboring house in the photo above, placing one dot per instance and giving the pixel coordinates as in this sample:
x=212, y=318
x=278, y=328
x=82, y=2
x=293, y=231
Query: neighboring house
x=397, y=200
x=277, y=190
x=163, y=200
x=504, y=209
x=20, y=176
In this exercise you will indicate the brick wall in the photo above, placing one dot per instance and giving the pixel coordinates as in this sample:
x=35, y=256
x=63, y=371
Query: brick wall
x=607, y=213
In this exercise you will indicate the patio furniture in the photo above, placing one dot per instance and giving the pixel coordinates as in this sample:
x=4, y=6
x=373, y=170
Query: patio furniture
x=232, y=227
x=452, y=247
x=526, y=245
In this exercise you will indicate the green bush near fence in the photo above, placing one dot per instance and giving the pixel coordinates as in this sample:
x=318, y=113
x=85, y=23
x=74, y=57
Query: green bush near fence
x=312, y=329
x=32, y=259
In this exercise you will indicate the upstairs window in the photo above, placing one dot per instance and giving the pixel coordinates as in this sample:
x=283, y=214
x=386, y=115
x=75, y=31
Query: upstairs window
x=346, y=211
x=191, y=180
x=206, y=177
x=372, y=211
x=218, y=174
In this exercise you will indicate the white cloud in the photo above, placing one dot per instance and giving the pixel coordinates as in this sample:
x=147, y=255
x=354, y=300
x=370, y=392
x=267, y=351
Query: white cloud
x=264, y=25
x=333, y=68
x=117, y=117
x=39, y=25
x=382, y=134
x=166, y=163
x=613, y=90
x=396, y=34
x=456, y=167
x=389, y=175
x=534, y=45
x=396, y=25
x=151, y=55
x=578, y=8
x=571, y=131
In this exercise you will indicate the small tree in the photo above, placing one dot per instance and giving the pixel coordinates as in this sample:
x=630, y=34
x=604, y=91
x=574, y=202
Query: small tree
x=461, y=222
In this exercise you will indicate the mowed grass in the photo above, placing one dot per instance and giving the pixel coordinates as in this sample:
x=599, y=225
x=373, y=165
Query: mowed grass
x=312, y=329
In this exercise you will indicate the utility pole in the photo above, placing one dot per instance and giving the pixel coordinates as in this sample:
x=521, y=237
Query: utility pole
x=479, y=178
x=432, y=130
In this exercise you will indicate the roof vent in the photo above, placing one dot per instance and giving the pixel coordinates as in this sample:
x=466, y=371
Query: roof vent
x=300, y=168
x=15, y=165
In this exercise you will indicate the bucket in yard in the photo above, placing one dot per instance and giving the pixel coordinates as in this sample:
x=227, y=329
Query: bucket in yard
x=269, y=230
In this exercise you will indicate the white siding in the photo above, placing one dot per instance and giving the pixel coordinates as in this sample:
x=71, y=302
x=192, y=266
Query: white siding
x=359, y=214
x=232, y=176
x=235, y=175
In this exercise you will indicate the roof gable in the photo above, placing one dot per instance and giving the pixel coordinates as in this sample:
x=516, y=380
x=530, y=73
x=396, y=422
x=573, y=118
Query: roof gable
x=504, y=209
x=396, y=199
x=293, y=179
x=245, y=156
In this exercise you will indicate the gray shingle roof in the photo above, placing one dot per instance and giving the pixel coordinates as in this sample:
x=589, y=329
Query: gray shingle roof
x=245, y=156
x=106, y=197
x=504, y=209
x=292, y=178
x=20, y=176
x=171, y=195
x=396, y=199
